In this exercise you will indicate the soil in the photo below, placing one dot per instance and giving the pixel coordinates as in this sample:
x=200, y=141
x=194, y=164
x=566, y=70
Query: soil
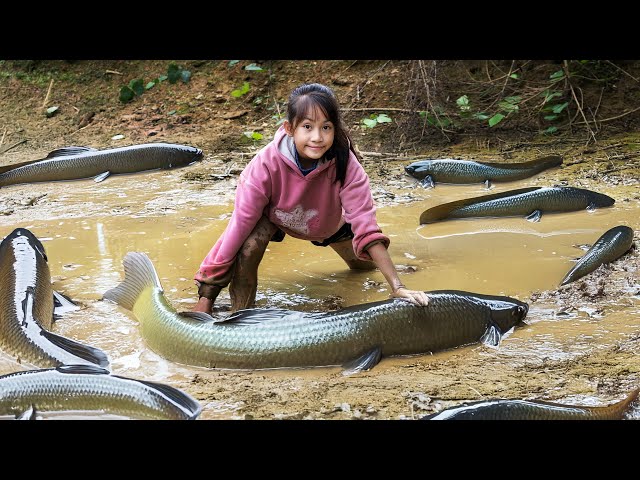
x=202, y=112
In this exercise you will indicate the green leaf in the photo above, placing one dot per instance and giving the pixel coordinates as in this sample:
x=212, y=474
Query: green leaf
x=173, y=73
x=560, y=107
x=368, y=122
x=550, y=130
x=256, y=136
x=557, y=76
x=51, y=111
x=185, y=76
x=496, y=119
x=254, y=67
x=480, y=116
x=162, y=78
x=550, y=95
x=241, y=91
x=137, y=86
x=463, y=103
x=233, y=62
x=422, y=113
x=513, y=100
x=149, y=85
x=508, y=107
x=126, y=94
x=383, y=118
x=172, y=112
x=515, y=76
x=550, y=117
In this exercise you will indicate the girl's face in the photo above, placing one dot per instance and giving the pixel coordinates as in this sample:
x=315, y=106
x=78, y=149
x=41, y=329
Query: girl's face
x=313, y=135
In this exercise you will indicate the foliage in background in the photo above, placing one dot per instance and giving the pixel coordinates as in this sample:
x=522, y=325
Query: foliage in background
x=137, y=86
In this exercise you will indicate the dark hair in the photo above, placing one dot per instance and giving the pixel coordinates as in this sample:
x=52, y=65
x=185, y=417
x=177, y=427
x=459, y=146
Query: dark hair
x=315, y=95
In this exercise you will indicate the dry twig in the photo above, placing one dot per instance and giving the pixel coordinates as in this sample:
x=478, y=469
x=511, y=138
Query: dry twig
x=46, y=99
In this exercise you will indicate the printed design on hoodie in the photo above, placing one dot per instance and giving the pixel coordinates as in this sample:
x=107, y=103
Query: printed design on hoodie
x=296, y=220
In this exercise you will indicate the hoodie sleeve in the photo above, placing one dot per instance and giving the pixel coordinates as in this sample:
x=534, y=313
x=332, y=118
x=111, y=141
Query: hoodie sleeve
x=252, y=196
x=359, y=209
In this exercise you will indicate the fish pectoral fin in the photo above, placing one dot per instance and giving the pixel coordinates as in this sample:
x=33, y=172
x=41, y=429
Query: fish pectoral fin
x=62, y=304
x=28, y=414
x=101, y=177
x=364, y=362
x=199, y=316
x=591, y=207
x=534, y=216
x=487, y=183
x=72, y=150
x=86, y=352
x=491, y=337
x=427, y=182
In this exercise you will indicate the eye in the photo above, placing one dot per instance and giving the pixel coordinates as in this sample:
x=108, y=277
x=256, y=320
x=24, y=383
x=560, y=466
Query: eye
x=307, y=126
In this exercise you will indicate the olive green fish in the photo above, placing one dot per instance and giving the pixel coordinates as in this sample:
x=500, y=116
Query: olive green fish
x=614, y=243
x=535, y=410
x=530, y=202
x=72, y=163
x=448, y=170
x=355, y=337
x=28, y=305
x=91, y=388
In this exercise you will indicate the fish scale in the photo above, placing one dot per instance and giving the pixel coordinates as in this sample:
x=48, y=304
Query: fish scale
x=274, y=338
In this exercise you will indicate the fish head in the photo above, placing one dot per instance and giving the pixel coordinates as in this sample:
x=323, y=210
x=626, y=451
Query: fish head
x=601, y=200
x=419, y=169
x=196, y=153
x=22, y=236
x=507, y=312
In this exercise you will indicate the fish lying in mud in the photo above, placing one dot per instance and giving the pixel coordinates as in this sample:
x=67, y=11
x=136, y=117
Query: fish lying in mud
x=71, y=163
x=28, y=305
x=530, y=202
x=355, y=337
x=84, y=387
x=466, y=171
x=614, y=243
x=535, y=410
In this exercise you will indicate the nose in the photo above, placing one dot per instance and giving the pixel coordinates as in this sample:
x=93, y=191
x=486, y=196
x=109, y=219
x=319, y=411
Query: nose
x=316, y=135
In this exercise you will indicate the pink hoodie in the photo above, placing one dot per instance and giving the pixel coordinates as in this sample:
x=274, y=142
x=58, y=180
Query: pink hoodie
x=310, y=208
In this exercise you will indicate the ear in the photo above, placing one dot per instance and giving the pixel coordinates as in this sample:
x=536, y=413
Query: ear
x=288, y=128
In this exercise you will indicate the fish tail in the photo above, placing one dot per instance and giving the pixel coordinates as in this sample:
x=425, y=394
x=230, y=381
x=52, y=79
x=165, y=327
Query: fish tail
x=624, y=406
x=139, y=274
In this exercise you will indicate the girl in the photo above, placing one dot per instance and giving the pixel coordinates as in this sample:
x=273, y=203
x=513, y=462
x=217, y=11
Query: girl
x=307, y=183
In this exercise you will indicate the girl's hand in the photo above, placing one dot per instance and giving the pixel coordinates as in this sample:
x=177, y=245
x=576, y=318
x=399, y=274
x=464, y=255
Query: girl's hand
x=416, y=297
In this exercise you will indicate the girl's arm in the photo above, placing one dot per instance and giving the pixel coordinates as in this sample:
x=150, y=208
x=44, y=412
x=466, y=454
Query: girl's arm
x=380, y=256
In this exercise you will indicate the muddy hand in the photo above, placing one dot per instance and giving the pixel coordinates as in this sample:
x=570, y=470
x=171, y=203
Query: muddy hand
x=416, y=297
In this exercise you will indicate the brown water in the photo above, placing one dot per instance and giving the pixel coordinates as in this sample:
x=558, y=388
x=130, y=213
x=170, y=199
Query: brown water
x=87, y=229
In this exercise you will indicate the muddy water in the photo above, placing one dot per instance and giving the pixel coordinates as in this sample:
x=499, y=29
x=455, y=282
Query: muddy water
x=87, y=229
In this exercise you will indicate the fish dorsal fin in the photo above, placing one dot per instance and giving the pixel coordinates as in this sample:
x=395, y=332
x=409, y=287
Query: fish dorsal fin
x=68, y=151
x=179, y=397
x=28, y=414
x=85, y=369
x=442, y=211
x=364, y=362
x=6, y=168
x=86, y=352
x=199, y=316
x=252, y=316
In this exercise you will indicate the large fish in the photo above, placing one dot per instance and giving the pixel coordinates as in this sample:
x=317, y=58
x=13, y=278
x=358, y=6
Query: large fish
x=466, y=171
x=90, y=388
x=535, y=410
x=530, y=202
x=28, y=305
x=614, y=243
x=355, y=337
x=71, y=163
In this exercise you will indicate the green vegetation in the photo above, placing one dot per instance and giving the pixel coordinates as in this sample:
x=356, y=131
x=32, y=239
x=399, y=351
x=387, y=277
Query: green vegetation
x=137, y=86
x=374, y=120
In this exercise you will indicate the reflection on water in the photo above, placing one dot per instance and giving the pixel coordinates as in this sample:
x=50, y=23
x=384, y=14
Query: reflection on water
x=87, y=229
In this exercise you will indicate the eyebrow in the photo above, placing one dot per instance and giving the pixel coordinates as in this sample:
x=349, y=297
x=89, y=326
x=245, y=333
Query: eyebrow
x=312, y=120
